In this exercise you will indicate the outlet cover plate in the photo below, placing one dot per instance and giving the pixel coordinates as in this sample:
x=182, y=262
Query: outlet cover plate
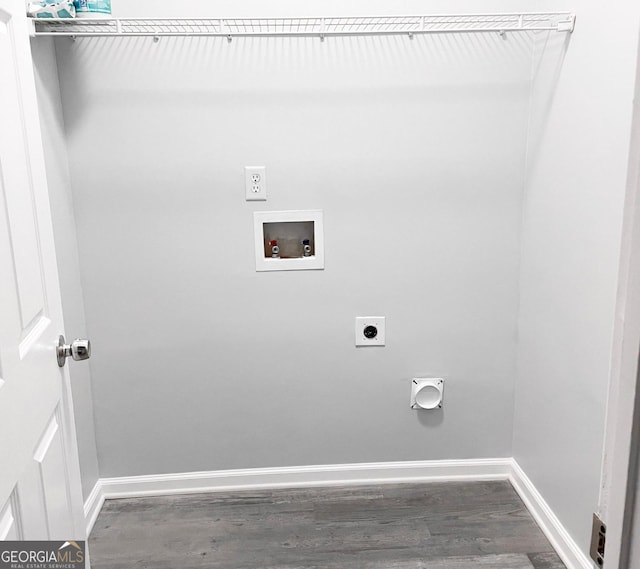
x=362, y=323
x=255, y=183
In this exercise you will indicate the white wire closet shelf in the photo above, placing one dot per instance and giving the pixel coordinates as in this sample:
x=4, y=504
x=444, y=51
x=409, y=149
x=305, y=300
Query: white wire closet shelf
x=307, y=27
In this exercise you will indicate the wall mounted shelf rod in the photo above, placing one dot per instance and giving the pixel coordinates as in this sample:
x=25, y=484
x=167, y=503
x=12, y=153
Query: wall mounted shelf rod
x=320, y=27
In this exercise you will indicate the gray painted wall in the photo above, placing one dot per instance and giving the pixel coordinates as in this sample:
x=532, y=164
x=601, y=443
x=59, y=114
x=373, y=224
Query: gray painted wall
x=414, y=150
x=56, y=160
x=577, y=167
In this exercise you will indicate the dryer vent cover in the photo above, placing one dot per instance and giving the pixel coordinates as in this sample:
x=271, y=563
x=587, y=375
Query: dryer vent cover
x=427, y=392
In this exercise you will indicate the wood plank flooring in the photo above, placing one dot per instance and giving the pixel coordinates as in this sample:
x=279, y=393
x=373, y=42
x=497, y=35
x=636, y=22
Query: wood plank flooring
x=452, y=525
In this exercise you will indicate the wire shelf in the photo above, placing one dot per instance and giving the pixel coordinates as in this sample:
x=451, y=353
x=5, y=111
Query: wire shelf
x=307, y=27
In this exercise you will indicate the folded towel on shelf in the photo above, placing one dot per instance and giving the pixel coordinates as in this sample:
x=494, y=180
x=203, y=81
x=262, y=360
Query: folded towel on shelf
x=93, y=8
x=64, y=9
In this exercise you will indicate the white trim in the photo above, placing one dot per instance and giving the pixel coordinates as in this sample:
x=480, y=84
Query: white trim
x=556, y=533
x=346, y=474
x=306, y=476
x=615, y=505
x=93, y=505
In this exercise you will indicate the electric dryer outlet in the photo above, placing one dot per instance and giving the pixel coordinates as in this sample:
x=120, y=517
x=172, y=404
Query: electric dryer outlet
x=370, y=331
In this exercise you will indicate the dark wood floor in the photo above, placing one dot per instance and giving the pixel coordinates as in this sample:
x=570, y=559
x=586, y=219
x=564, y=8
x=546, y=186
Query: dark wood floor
x=453, y=525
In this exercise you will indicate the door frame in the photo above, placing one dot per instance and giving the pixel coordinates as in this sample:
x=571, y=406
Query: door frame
x=622, y=423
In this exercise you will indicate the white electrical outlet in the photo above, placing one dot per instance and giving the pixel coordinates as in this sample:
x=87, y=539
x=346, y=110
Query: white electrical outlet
x=255, y=183
x=370, y=330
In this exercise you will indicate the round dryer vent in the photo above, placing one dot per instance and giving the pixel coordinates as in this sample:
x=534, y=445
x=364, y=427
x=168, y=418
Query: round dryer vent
x=427, y=392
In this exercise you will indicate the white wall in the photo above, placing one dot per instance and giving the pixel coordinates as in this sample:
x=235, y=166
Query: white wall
x=294, y=8
x=57, y=165
x=414, y=150
x=577, y=167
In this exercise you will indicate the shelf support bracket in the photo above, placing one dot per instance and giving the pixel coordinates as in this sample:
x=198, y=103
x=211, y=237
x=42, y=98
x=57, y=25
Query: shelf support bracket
x=568, y=25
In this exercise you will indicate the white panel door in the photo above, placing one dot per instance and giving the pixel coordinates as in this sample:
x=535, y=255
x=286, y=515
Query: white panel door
x=40, y=495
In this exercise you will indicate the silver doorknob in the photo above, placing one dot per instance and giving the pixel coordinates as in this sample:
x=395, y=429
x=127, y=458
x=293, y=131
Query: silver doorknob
x=79, y=349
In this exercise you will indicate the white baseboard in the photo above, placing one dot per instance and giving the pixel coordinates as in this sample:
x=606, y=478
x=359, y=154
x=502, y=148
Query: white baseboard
x=93, y=505
x=306, y=476
x=562, y=542
x=345, y=474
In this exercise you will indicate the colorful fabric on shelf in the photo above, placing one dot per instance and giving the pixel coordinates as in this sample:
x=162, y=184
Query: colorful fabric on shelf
x=64, y=9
